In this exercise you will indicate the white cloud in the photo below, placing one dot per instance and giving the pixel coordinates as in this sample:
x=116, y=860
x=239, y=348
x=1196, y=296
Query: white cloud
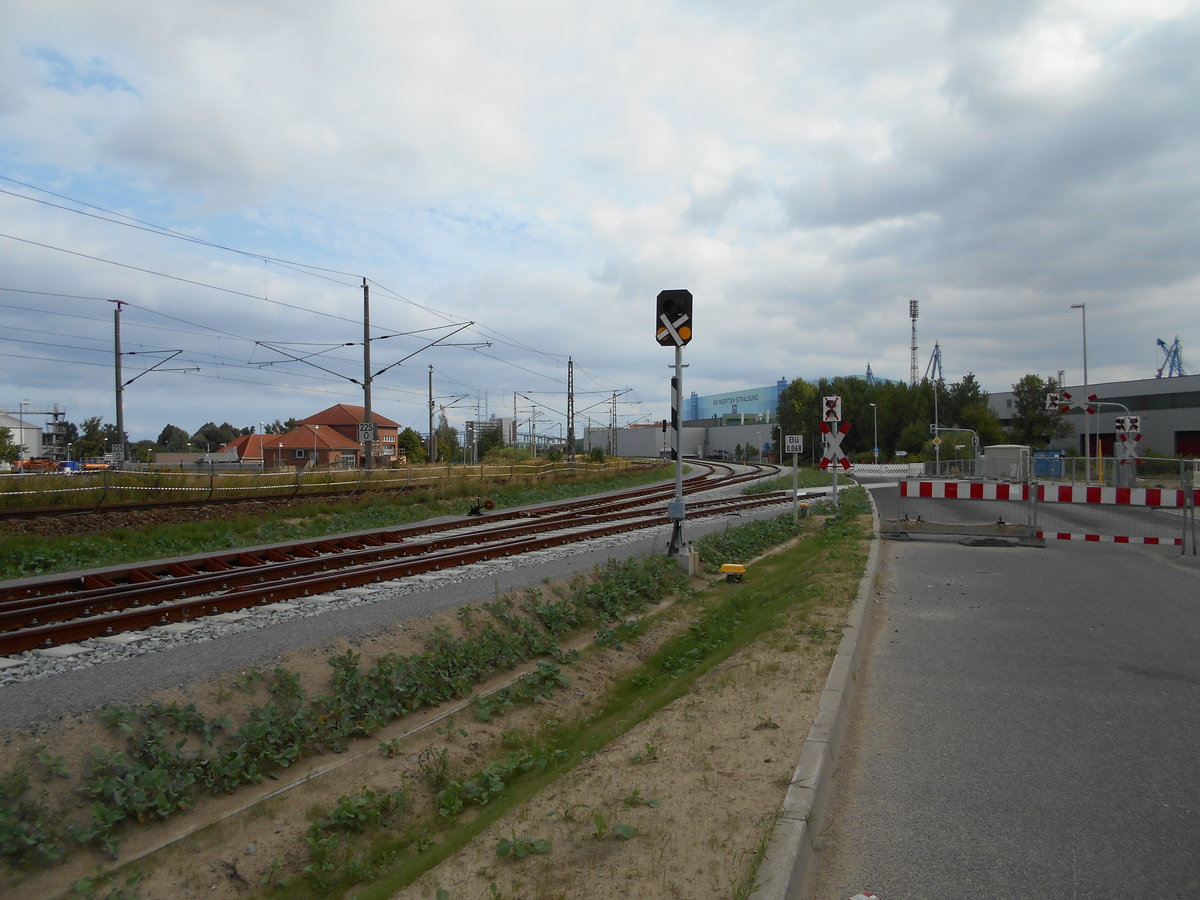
x=545, y=168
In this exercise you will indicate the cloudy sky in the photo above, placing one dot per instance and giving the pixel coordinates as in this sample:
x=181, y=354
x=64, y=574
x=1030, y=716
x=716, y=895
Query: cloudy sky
x=232, y=170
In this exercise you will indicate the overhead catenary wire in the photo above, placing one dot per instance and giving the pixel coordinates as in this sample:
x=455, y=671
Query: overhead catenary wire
x=332, y=275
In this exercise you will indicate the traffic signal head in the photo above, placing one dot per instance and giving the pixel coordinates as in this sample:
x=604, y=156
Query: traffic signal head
x=673, y=318
x=833, y=409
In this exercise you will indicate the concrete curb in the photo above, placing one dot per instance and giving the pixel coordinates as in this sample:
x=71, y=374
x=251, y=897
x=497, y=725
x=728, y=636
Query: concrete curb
x=788, y=858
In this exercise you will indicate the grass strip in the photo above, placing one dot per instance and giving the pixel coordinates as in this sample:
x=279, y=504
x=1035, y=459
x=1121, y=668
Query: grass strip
x=23, y=555
x=733, y=615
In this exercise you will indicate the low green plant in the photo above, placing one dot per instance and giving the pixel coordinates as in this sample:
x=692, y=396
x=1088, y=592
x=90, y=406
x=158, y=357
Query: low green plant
x=602, y=829
x=30, y=834
x=515, y=847
x=648, y=753
x=635, y=798
x=90, y=888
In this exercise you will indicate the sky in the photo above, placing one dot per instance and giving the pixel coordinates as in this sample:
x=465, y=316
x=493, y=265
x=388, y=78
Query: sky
x=233, y=171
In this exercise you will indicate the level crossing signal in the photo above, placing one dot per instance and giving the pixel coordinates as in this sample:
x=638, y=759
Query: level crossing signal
x=1128, y=433
x=832, y=453
x=673, y=318
x=833, y=410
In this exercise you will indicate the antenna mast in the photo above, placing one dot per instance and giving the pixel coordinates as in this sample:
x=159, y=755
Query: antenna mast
x=912, y=368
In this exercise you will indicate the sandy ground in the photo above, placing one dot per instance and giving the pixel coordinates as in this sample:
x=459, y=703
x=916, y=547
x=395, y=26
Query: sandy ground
x=699, y=783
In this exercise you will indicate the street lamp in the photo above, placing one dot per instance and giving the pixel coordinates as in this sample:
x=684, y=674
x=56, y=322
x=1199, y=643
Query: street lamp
x=1087, y=426
x=21, y=404
x=875, y=416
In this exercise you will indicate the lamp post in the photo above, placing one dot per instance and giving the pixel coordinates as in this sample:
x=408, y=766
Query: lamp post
x=1087, y=425
x=875, y=417
x=21, y=404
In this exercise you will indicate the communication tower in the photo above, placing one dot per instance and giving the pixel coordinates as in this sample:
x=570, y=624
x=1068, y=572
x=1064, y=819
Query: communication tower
x=912, y=368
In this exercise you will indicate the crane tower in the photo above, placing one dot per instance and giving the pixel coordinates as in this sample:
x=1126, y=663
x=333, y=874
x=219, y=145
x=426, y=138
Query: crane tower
x=1172, y=359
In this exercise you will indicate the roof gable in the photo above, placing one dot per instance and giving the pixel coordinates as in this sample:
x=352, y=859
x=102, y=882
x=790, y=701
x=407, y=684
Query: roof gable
x=347, y=414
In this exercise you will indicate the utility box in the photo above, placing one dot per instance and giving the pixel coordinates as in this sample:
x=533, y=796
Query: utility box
x=1048, y=463
x=1009, y=461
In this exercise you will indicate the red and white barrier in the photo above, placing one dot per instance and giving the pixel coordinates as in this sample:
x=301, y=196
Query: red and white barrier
x=1047, y=493
x=963, y=490
x=1106, y=538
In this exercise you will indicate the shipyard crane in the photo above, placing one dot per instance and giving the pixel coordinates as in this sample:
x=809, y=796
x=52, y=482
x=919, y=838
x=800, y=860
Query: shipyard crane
x=934, y=368
x=1172, y=359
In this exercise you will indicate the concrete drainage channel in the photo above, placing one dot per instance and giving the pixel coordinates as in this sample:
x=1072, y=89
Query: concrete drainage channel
x=787, y=863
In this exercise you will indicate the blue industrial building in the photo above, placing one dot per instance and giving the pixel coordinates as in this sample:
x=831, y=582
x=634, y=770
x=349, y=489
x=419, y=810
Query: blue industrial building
x=735, y=405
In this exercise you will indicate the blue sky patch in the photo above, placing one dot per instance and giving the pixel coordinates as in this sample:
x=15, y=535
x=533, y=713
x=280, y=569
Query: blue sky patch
x=65, y=75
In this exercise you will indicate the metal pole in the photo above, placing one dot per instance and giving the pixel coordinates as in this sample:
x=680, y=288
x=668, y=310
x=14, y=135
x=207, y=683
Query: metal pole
x=1187, y=481
x=675, y=510
x=21, y=454
x=119, y=454
x=875, y=417
x=795, y=489
x=368, y=444
x=1087, y=423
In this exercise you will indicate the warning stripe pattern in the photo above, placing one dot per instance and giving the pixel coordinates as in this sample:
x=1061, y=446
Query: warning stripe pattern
x=1107, y=539
x=963, y=490
x=976, y=490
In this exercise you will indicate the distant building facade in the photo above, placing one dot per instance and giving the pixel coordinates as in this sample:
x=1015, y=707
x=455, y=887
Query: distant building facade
x=1169, y=410
x=763, y=401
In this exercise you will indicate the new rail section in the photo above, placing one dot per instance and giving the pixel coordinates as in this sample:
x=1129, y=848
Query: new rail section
x=54, y=610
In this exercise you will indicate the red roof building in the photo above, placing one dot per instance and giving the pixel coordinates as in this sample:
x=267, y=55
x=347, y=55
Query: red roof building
x=328, y=438
x=310, y=446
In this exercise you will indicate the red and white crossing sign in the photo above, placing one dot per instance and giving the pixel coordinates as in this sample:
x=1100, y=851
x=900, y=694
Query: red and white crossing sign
x=1128, y=433
x=832, y=452
x=833, y=410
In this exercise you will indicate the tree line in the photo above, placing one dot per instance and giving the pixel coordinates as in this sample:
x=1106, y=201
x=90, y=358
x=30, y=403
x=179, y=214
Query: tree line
x=902, y=413
x=898, y=416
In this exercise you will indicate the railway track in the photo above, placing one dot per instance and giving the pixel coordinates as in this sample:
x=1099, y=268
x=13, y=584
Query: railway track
x=38, y=613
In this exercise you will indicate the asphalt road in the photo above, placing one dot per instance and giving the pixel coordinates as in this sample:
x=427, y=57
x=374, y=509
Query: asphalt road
x=1028, y=726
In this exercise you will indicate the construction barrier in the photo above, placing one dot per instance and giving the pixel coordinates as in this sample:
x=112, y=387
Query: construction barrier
x=1054, y=511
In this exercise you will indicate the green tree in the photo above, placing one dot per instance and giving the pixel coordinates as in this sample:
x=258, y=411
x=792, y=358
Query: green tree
x=912, y=437
x=172, y=439
x=448, y=445
x=94, y=438
x=142, y=451
x=981, y=420
x=410, y=444
x=211, y=436
x=799, y=410
x=9, y=448
x=955, y=399
x=1032, y=423
x=488, y=438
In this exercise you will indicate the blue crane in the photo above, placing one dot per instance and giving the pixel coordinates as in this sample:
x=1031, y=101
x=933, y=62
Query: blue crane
x=1172, y=359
